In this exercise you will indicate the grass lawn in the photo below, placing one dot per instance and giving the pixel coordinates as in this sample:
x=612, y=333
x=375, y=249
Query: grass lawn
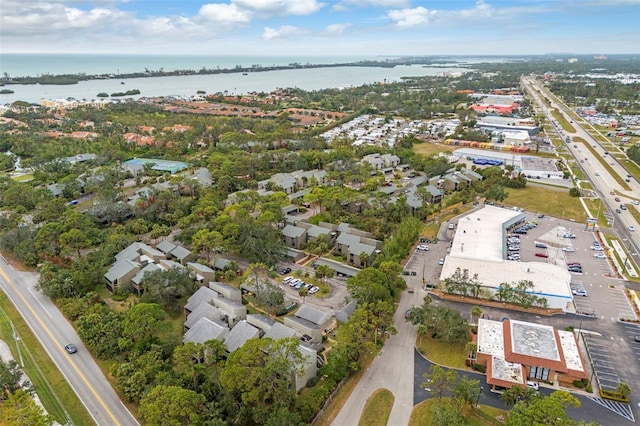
x=446, y=354
x=52, y=388
x=429, y=148
x=563, y=122
x=550, y=201
x=377, y=410
x=594, y=205
x=422, y=413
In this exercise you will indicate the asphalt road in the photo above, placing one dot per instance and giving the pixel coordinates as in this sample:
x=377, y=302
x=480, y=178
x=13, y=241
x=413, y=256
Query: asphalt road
x=54, y=332
x=600, y=177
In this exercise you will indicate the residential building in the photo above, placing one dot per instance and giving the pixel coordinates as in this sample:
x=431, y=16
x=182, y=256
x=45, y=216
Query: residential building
x=310, y=321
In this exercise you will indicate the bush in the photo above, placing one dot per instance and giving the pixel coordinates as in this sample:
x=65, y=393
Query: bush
x=310, y=401
x=582, y=383
x=613, y=396
x=479, y=367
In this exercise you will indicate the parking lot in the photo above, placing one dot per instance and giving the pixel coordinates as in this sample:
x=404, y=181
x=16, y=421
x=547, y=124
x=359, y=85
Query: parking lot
x=424, y=264
x=602, y=360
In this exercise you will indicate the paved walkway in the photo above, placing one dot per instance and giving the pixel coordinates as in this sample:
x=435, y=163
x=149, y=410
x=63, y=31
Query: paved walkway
x=392, y=369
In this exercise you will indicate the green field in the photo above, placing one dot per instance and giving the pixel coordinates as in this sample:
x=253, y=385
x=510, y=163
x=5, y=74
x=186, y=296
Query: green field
x=551, y=201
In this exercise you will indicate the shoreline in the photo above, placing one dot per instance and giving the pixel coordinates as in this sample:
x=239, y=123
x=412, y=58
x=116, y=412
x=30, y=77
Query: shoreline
x=70, y=79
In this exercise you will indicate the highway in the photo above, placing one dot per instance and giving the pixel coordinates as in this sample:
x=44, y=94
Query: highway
x=54, y=332
x=605, y=185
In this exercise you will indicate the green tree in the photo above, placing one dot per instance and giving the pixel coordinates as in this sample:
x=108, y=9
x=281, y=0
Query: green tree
x=143, y=323
x=172, y=406
x=260, y=375
x=100, y=329
x=624, y=389
x=166, y=287
x=542, y=411
x=74, y=239
x=440, y=381
x=11, y=379
x=19, y=409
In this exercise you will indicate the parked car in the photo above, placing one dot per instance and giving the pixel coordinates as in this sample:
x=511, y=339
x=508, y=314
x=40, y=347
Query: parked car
x=597, y=248
x=568, y=249
x=599, y=255
x=452, y=225
x=423, y=247
x=542, y=255
x=579, y=292
x=441, y=262
x=314, y=290
x=532, y=385
x=285, y=271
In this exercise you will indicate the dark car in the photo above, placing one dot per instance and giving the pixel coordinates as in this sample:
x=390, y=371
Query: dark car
x=285, y=271
x=71, y=348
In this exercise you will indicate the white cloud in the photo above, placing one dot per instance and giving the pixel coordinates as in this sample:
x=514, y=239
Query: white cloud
x=280, y=7
x=347, y=4
x=283, y=32
x=407, y=18
x=225, y=14
x=337, y=29
x=39, y=17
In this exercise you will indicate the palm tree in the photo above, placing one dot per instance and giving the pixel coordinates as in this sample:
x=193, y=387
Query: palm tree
x=303, y=292
x=421, y=330
x=476, y=312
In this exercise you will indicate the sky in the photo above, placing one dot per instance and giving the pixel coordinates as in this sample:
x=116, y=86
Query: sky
x=322, y=28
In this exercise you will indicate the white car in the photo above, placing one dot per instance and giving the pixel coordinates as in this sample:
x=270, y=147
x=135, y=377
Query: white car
x=314, y=290
x=579, y=292
x=599, y=255
x=423, y=247
x=568, y=249
x=597, y=248
x=532, y=385
x=441, y=262
x=632, y=228
x=635, y=202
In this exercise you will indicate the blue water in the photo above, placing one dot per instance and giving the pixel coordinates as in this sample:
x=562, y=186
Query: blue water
x=22, y=65
x=233, y=84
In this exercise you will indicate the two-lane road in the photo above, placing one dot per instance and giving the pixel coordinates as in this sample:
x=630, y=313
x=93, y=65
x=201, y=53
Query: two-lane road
x=54, y=332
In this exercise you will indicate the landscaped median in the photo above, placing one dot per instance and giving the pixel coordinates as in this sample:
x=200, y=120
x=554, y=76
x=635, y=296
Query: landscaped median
x=377, y=410
x=482, y=415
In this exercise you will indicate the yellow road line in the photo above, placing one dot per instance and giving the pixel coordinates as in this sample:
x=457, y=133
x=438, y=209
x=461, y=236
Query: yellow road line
x=46, y=329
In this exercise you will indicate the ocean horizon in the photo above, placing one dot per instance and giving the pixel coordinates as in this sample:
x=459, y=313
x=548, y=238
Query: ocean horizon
x=35, y=65
x=227, y=83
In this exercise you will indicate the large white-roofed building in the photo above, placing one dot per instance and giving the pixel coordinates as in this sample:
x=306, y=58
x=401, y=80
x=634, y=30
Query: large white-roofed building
x=479, y=245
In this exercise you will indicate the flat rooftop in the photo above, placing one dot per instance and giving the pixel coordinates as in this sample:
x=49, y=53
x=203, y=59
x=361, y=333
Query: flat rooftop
x=571, y=351
x=548, y=279
x=480, y=235
x=506, y=371
x=534, y=340
x=490, y=338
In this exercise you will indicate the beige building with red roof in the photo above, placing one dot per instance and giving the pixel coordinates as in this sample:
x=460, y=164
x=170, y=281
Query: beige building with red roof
x=515, y=352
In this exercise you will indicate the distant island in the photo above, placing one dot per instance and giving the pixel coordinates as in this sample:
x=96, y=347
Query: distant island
x=64, y=79
x=127, y=93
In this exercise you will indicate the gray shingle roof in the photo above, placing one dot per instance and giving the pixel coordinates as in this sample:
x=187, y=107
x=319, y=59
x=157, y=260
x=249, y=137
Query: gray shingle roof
x=203, y=310
x=239, y=334
x=166, y=246
x=137, y=279
x=180, y=253
x=199, y=267
x=202, y=295
x=120, y=269
x=312, y=314
x=205, y=330
x=293, y=231
x=279, y=331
